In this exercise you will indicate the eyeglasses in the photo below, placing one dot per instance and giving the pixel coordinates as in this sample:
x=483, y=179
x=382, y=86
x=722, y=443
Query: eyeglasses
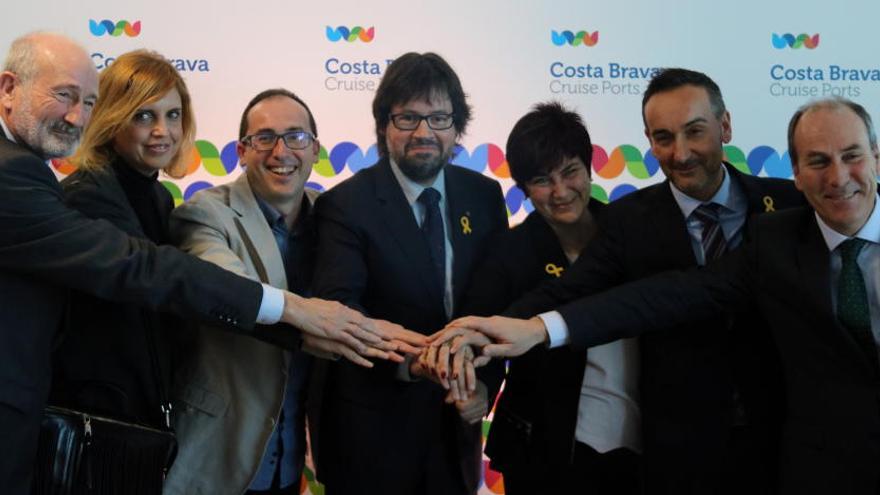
x=411, y=121
x=265, y=141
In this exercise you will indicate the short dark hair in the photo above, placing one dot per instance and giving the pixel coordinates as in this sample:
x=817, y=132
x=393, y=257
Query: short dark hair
x=269, y=93
x=832, y=103
x=418, y=76
x=674, y=78
x=543, y=138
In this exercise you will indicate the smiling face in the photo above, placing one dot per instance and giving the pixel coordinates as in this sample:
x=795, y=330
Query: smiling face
x=562, y=195
x=150, y=142
x=49, y=110
x=836, y=167
x=687, y=139
x=423, y=152
x=278, y=176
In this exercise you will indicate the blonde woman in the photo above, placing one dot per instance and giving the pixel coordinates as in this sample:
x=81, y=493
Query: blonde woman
x=115, y=358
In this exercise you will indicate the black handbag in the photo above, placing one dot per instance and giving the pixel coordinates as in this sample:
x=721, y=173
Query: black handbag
x=86, y=454
x=79, y=453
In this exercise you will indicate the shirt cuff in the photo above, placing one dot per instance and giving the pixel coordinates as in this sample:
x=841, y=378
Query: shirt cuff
x=557, y=330
x=272, y=306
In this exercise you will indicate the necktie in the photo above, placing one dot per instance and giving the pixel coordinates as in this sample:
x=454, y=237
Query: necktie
x=852, y=299
x=433, y=229
x=714, y=244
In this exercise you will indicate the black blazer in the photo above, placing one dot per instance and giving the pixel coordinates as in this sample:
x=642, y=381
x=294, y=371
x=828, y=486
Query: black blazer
x=688, y=377
x=47, y=248
x=831, y=432
x=534, y=423
x=373, y=257
x=104, y=363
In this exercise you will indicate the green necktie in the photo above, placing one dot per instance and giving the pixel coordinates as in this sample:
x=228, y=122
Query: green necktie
x=852, y=299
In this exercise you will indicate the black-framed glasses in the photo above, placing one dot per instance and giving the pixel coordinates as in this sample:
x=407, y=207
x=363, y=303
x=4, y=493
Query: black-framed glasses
x=411, y=121
x=265, y=141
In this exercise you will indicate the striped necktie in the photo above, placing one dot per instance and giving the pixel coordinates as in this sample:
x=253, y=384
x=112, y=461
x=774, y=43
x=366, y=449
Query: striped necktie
x=713, y=241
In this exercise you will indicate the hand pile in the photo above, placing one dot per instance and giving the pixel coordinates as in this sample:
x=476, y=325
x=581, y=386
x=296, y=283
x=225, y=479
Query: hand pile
x=450, y=357
x=334, y=328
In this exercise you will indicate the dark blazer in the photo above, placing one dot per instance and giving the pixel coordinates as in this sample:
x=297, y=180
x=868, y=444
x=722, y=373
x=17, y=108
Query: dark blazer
x=47, y=248
x=377, y=430
x=688, y=377
x=105, y=361
x=831, y=431
x=534, y=423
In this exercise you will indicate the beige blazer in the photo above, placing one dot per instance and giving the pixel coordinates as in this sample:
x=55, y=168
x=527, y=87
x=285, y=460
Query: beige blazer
x=228, y=393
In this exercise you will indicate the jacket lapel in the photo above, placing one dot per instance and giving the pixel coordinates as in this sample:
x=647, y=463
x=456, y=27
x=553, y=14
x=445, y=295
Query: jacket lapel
x=460, y=207
x=669, y=228
x=256, y=234
x=397, y=214
x=756, y=195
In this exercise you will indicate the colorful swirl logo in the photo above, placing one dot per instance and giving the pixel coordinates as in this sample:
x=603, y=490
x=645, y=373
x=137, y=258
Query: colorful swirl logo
x=346, y=153
x=350, y=35
x=108, y=27
x=624, y=161
x=788, y=40
x=561, y=38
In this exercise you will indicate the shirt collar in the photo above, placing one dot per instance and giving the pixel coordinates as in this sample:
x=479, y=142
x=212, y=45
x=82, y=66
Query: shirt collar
x=412, y=189
x=722, y=197
x=6, y=131
x=275, y=218
x=10, y=137
x=272, y=215
x=869, y=232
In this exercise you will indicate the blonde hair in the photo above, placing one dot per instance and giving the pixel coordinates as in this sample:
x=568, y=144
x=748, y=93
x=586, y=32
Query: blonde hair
x=135, y=79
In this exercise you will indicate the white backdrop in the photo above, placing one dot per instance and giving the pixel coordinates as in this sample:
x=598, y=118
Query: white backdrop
x=768, y=58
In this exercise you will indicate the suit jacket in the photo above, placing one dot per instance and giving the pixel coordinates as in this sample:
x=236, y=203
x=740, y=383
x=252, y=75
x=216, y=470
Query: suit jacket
x=688, y=377
x=47, y=248
x=115, y=359
x=831, y=432
x=533, y=428
x=229, y=393
x=372, y=256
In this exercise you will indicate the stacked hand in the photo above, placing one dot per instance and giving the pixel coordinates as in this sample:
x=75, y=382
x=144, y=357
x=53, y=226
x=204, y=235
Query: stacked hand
x=510, y=337
x=455, y=371
x=332, y=327
x=468, y=343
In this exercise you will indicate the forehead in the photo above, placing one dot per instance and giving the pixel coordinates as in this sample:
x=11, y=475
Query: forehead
x=278, y=112
x=169, y=98
x=434, y=101
x=67, y=67
x=676, y=107
x=564, y=163
x=833, y=128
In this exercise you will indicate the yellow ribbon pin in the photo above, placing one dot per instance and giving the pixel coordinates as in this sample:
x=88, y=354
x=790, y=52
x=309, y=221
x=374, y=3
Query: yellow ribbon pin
x=554, y=270
x=768, y=204
x=465, y=224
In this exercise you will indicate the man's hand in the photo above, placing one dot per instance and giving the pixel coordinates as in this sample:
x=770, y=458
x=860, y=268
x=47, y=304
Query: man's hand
x=473, y=409
x=513, y=337
x=333, y=349
x=331, y=320
x=404, y=340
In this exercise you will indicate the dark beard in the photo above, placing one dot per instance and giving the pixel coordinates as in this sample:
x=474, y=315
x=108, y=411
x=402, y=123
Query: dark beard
x=421, y=171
